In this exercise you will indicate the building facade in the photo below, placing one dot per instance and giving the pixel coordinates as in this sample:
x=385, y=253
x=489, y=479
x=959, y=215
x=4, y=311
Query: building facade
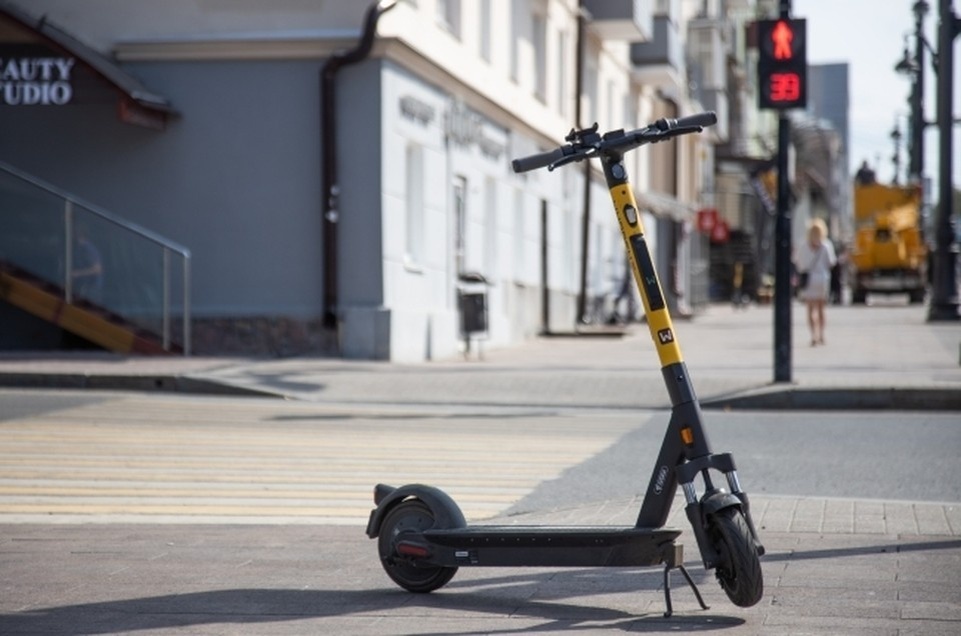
x=422, y=208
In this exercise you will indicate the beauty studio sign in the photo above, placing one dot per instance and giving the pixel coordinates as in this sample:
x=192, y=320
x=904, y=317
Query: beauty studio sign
x=32, y=75
x=36, y=81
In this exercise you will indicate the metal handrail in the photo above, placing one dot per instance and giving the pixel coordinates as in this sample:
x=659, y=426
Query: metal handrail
x=167, y=246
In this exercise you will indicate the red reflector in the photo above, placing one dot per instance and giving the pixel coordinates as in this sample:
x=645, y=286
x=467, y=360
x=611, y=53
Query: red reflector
x=408, y=549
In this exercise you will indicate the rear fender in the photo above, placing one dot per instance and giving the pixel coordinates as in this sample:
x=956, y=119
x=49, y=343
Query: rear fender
x=446, y=512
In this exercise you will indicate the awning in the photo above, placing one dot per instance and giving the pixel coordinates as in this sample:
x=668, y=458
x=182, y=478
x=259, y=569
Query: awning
x=665, y=205
x=31, y=75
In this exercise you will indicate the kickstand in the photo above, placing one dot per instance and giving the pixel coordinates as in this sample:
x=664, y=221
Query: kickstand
x=667, y=587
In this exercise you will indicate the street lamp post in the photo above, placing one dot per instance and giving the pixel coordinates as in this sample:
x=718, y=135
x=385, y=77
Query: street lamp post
x=916, y=151
x=944, y=289
x=896, y=157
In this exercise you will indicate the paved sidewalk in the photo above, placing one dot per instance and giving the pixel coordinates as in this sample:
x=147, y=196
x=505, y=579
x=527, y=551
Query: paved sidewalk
x=305, y=579
x=876, y=357
x=833, y=566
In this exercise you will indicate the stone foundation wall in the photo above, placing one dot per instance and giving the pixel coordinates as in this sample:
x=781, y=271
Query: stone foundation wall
x=261, y=336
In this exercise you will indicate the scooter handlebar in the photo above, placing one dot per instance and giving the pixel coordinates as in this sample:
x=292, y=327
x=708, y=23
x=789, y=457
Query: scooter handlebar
x=584, y=146
x=708, y=118
x=540, y=160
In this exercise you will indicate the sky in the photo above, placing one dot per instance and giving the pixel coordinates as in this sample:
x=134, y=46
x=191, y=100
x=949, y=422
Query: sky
x=869, y=36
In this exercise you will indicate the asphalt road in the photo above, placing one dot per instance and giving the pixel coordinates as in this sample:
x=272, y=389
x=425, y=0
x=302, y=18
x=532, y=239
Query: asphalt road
x=907, y=456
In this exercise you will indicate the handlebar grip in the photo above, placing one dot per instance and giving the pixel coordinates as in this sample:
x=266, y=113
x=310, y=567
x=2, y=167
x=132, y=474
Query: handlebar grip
x=708, y=118
x=533, y=162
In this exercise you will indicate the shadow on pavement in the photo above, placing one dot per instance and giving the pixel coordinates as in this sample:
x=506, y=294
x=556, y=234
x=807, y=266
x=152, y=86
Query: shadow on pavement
x=884, y=548
x=500, y=598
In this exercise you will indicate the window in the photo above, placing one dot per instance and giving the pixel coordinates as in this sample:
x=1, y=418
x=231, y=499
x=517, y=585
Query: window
x=459, y=196
x=485, y=30
x=448, y=15
x=515, y=41
x=562, y=66
x=519, y=235
x=490, y=228
x=612, y=117
x=415, y=204
x=539, y=42
x=590, y=88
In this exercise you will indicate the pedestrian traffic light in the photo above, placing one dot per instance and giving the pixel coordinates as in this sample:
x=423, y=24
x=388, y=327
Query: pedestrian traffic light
x=782, y=63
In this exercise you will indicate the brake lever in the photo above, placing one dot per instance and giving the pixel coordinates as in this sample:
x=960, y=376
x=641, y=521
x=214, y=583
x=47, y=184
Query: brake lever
x=660, y=135
x=571, y=158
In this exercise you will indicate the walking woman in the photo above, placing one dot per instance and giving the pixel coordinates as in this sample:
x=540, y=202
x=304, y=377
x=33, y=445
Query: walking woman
x=814, y=260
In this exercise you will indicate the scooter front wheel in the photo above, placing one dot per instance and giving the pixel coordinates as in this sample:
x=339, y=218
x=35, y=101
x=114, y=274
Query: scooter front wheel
x=739, y=569
x=408, y=518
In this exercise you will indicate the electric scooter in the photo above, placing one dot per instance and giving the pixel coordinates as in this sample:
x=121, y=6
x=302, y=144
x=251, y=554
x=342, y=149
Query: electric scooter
x=423, y=537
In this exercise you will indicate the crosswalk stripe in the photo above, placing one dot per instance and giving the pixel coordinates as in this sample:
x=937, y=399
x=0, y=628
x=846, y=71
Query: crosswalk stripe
x=195, y=459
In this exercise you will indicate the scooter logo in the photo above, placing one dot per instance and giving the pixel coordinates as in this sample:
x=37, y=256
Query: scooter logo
x=660, y=481
x=666, y=336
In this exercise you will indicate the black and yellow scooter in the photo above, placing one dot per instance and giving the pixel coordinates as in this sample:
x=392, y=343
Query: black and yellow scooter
x=422, y=534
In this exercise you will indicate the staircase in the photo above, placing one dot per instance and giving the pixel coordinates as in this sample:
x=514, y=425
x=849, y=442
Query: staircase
x=89, y=272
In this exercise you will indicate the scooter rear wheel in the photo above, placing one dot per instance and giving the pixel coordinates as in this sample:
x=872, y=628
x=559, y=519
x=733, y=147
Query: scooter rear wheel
x=409, y=517
x=739, y=571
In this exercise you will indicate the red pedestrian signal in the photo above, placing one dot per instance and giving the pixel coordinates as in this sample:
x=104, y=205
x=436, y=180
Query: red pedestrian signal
x=782, y=35
x=782, y=63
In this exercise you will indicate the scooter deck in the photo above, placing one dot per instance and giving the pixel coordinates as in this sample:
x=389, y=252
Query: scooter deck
x=552, y=546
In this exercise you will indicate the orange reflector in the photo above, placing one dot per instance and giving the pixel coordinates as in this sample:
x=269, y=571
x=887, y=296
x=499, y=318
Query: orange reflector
x=687, y=435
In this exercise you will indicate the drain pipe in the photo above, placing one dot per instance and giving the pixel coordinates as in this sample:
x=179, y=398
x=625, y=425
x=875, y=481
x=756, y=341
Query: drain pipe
x=582, y=17
x=328, y=131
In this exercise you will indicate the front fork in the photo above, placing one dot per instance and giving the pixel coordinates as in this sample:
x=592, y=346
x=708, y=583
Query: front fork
x=686, y=453
x=699, y=510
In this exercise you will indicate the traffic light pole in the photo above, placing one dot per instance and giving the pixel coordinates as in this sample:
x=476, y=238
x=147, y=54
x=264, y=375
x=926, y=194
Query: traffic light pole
x=944, y=290
x=782, y=257
x=783, y=295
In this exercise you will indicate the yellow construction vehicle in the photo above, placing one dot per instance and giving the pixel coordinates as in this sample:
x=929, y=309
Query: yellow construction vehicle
x=889, y=255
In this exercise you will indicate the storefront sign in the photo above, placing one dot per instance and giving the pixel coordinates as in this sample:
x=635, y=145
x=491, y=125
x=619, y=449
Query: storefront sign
x=706, y=220
x=465, y=127
x=36, y=81
x=416, y=110
x=720, y=233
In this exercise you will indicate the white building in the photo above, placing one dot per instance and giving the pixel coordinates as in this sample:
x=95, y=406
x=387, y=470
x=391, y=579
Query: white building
x=426, y=123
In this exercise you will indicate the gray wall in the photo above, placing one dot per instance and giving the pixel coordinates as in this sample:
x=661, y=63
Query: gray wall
x=235, y=179
x=359, y=139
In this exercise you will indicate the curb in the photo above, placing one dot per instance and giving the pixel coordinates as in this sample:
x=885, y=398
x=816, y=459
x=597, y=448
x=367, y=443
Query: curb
x=768, y=398
x=852, y=398
x=160, y=383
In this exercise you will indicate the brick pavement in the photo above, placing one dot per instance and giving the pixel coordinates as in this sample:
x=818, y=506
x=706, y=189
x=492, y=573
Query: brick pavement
x=834, y=566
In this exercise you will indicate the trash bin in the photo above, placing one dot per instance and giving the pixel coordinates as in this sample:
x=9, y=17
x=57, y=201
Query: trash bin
x=473, y=307
x=472, y=302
